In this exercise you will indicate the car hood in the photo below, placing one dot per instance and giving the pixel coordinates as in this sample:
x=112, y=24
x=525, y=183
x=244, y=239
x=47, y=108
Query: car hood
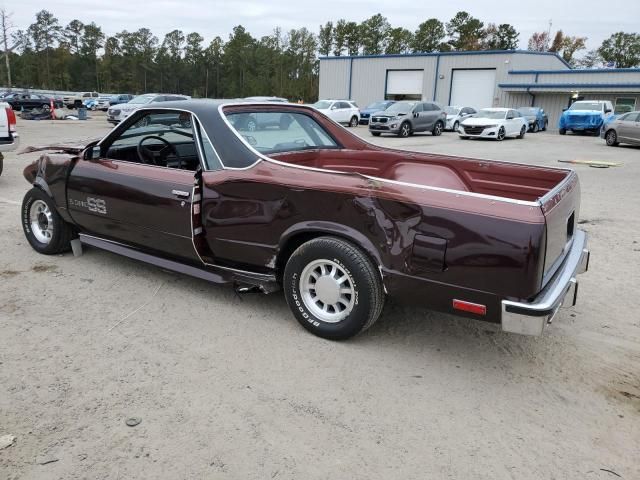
x=482, y=121
x=583, y=112
x=69, y=147
x=382, y=113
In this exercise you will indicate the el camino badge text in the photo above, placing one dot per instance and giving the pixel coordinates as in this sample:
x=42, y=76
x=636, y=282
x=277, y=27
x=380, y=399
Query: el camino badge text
x=95, y=205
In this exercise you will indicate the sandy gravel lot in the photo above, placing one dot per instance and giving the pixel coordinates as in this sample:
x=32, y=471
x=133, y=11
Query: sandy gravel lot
x=233, y=388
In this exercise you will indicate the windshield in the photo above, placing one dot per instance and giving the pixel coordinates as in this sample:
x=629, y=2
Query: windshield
x=451, y=110
x=322, y=105
x=528, y=111
x=495, y=114
x=142, y=99
x=401, y=107
x=377, y=106
x=586, y=106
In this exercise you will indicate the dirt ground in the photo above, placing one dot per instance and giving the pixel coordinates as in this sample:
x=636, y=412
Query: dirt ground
x=230, y=387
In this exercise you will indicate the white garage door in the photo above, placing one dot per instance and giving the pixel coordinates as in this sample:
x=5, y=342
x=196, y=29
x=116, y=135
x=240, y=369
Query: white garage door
x=405, y=83
x=473, y=88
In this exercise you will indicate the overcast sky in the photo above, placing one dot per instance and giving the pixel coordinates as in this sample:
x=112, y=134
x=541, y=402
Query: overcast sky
x=595, y=19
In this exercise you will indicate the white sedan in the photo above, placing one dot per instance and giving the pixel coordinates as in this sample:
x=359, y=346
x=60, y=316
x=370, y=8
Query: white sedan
x=341, y=111
x=495, y=123
x=455, y=115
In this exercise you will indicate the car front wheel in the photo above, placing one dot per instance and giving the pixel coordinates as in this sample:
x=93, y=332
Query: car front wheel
x=44, y=228
x=332, y=288
x=501, y=134
x=353, y=122
x=405, y=130
x=611, y=138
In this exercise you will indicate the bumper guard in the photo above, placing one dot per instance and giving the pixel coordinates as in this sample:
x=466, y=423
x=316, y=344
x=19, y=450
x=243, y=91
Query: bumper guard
x=530, y=318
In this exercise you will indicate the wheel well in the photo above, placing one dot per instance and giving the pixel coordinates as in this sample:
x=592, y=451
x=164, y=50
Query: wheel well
x=295, y=241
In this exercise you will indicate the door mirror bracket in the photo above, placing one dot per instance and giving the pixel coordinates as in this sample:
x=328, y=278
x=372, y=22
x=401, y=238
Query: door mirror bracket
x=92, y=153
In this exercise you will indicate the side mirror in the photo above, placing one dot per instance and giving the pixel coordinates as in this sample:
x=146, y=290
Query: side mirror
x=565, y=109
x=92, y=153
x=607, y=110
x=415, y=114
x=334, y=107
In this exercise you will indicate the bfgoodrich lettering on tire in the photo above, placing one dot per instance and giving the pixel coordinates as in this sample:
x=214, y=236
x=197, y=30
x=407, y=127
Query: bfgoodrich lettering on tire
x=332, y=288
x=45, y=230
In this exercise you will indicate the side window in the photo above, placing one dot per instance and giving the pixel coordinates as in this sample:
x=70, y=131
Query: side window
x=157, y=139
x=634, y=117
x=159, y=98
x=86, y=95
x=418, y=108
x=211, y=159
x=281, y=131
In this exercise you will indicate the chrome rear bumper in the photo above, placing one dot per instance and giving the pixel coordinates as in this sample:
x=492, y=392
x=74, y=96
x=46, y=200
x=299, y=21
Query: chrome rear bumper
x=530, y=318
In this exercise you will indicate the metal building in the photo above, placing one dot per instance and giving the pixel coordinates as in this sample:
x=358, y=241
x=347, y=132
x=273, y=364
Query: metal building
x=513, y=78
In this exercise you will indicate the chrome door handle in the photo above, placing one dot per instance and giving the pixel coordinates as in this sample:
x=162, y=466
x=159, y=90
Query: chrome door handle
x=180, y=193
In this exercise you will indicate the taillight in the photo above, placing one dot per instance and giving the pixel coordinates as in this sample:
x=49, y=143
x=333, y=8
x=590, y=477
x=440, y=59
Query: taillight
x=11, y=116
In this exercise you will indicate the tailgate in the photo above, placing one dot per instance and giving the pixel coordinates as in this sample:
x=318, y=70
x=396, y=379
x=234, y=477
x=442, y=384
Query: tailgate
x=561, y=208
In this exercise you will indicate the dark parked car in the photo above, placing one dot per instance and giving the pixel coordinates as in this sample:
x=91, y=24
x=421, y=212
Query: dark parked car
x=622, y=129
x=372, y=108
x=536, y=118
x=406, y=118
x=29, y=101
x=337, y=223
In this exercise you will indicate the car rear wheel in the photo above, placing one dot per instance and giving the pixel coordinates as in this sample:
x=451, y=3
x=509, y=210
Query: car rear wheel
x=332, y=288
x=523, y=130
x=456, y=126
x=437, y=129
x=46, y=107
x=546, y=125
x=353, y=122
x=535, y=128
x=501, y=134
x=44, y=228
x=405, y=130
x=611, y=137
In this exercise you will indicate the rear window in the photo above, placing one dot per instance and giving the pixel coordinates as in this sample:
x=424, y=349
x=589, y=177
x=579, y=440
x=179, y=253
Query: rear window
x=275, y=132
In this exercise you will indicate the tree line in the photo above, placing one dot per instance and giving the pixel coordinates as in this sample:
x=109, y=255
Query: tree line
x=80, y=56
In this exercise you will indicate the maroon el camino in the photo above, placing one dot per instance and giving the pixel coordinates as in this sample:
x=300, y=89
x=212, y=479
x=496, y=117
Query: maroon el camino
x=298, y=203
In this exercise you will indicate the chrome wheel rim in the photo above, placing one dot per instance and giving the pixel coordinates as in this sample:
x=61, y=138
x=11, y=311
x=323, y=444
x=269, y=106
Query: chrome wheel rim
x=41, y=221
x=404, y=130
x=523, y=130
x=611, y=138
x=251, y=126
x=501, y=134
x=438, y=129
x=354, y=122
x=456, y=126
x=327, y=291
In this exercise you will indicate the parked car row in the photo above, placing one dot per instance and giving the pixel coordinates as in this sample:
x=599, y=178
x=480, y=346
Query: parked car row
x=119, y=112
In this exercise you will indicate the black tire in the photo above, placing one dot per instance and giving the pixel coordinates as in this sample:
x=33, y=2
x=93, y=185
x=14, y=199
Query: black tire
x=362, y=277
x=462, y=137
x=536, y=127
x=353, y=123
x=77, y=104
x=456, y=125
x=546, y=125
x=562, y=131
x=611, y=137
x=375, y=134
x=61, y=233
x=405, y=130
x=1, y=162
x=437, y=129
x=46, y=107
x=523, y=131
x=501, y=134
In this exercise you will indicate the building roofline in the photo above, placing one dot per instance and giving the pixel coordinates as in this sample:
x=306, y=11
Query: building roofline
x=569, y=85
x=574, y=70
x=443, y=54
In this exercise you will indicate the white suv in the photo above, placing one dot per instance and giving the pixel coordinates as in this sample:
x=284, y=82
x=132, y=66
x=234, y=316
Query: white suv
x=9, y=138
x=118, y=113
x=341, y=111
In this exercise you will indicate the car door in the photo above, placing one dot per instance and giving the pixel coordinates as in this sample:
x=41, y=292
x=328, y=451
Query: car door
x=134, y=197
x=432, y=114
x=514, y=122
x=627, y=127
x=634, y=127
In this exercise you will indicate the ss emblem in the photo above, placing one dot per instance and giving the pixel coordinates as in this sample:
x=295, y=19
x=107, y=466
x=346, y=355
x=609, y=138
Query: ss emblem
x=96, y=205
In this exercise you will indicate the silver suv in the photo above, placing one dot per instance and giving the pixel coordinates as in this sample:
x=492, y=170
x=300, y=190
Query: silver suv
x=405, y=118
